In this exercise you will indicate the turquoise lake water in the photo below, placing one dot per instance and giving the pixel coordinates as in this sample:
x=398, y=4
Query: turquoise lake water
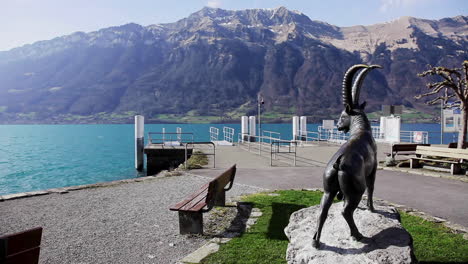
x=38, y=157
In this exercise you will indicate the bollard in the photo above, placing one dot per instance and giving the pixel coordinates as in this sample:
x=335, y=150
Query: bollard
x=303, y=129
x=245, y=128
x=139, y=141
x=252, y=128
x=295, y=127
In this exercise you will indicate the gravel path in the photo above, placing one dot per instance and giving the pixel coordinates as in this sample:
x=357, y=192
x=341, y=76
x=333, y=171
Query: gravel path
x=126, y=223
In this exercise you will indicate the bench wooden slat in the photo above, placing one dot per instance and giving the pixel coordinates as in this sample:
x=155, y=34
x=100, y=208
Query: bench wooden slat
x=443, y=152
x=22, y=247
x=406, y=147
x=446, y=161
x=30, y=256
x=202, y=190
x=196, y=203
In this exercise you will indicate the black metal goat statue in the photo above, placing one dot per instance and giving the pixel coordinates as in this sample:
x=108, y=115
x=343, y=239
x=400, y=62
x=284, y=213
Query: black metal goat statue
x=352, y=169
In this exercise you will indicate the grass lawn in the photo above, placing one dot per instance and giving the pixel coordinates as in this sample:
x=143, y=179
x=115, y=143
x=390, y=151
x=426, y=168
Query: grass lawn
x=265, y=241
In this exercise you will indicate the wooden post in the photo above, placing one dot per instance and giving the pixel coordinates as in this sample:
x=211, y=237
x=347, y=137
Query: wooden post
x=190, y=222
x=139, y=141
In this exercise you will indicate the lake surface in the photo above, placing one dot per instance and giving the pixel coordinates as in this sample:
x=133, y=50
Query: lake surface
x=38, y=157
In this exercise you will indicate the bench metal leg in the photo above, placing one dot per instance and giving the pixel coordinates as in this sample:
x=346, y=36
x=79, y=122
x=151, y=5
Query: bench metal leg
x=455, y=169
x=190, y=222
x=414, y=163
x=220, y=199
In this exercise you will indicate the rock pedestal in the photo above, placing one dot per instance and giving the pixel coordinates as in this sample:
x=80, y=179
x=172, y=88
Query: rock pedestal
x=385, y=240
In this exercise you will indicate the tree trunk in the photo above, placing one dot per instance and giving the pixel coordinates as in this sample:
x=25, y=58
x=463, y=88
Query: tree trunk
x=462, y=133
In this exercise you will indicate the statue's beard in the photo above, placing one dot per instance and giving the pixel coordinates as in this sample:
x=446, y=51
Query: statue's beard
x=344, y=129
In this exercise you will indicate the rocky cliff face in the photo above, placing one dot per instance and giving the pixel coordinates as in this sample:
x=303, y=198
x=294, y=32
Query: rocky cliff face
x=216, y=61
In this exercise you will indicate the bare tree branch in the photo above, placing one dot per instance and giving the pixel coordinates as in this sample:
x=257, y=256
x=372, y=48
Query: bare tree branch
x=454, y=84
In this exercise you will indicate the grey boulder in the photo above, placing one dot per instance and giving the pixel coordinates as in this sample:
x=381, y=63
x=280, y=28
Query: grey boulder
x=385, y=240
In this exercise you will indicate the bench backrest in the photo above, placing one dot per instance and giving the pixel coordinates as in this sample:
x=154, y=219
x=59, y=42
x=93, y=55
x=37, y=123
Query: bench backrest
x=443, y=152
x=21, y=248
x=217, y=185
x=225, y=178
x=406, y=147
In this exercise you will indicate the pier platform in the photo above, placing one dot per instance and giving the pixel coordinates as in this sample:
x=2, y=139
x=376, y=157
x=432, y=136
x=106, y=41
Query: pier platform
x=165, y=156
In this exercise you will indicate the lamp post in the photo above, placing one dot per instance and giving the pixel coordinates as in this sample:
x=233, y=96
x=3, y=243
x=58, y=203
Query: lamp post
x=441, y=122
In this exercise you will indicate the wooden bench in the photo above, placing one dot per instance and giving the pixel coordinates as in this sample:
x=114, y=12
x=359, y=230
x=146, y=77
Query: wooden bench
x=21, y=248
x=211, y=194
x=457, y=157
x=404, y=149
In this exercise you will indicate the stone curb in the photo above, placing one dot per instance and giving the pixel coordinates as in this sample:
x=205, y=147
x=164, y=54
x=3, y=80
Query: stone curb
x=64, y=190
x=212, y=246
x=423, y=172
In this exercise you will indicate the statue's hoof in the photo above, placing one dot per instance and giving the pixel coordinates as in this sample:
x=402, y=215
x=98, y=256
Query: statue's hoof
x=357, y=236
x=316, y=244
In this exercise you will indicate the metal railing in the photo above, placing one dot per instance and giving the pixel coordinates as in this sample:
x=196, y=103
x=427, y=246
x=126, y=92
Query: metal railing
x=282, y=147
x=179, y=132
x=200, y=154
x=268, y=136
x=268, y=145
x=376, y=133
x=228, y=133
x=308, y=136
x=334, y=135
x=214, y=134
x=414, y=137
x=251, y=142
x=169, y=139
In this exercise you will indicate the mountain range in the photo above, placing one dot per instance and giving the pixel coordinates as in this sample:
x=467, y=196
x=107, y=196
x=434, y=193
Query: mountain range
x=215, y=62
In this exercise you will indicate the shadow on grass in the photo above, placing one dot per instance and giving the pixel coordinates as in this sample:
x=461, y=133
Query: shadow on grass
x=280, y=219
x=239, y=223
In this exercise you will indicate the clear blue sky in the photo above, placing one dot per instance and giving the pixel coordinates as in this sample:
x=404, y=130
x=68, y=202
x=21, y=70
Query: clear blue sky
x=27, y=21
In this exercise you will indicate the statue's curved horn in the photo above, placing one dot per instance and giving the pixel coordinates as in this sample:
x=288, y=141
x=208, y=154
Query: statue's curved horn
x=348, y=77
x=356, y=90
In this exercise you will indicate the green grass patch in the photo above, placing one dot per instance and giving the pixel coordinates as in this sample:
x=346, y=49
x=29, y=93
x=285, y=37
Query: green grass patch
x=197, y=161
x=265, y=242
x=183, y=118
x=434, y=242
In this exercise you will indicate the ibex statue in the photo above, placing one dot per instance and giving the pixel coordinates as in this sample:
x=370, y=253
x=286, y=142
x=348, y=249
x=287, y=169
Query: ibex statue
x=352, y=169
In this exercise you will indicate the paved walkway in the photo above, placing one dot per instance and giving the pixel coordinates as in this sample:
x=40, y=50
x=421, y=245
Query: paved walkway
x=439, y=197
